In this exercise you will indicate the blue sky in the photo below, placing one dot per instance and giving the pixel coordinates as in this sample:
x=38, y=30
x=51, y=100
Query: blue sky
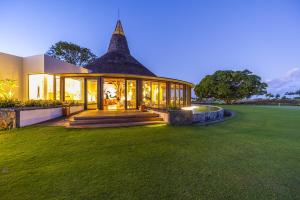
x=180, y=39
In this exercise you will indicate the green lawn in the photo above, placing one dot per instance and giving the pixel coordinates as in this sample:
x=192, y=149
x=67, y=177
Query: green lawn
x=255, y=155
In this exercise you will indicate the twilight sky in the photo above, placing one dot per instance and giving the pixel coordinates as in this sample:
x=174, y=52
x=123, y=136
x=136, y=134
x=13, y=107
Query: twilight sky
x=180, y=39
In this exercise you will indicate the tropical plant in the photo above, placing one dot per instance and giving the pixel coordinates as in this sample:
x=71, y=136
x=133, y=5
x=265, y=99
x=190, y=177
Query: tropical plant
x=7, y=87
x=71, y=53
x=230, y=86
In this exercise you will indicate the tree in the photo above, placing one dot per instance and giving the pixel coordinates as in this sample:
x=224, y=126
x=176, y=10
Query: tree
x=230, y=86
x=277, y=96
x=269, y=95
x=71, y=53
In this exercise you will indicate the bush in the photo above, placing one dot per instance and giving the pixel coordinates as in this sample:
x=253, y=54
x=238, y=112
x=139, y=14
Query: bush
x=10, y=103
x=42, y=103
x=14, y=103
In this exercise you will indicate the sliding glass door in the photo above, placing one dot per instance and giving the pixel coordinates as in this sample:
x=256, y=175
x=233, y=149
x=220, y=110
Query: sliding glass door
x=92, y=97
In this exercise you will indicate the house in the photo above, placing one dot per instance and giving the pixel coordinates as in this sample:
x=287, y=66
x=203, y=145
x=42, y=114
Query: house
x=114, y=81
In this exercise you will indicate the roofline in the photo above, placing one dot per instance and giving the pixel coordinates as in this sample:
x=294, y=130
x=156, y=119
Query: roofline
x=125, y=76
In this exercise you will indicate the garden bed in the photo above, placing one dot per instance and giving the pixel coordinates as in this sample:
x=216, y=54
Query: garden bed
x=25, y=116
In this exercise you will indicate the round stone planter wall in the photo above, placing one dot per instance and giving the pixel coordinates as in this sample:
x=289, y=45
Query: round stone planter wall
x=186, y=117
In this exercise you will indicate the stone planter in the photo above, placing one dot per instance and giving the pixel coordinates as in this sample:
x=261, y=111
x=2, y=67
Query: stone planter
x=203, y=117
x=7, y=119
x=187, y=117
x=180, y=117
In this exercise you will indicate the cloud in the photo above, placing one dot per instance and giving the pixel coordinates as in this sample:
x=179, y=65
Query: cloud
x=290, y=82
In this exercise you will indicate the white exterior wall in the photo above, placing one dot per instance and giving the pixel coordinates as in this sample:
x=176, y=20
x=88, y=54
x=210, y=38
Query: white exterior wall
x=18, y=68
x=54, y=66
x=29, y=117
x=11, y=68
x=31, y=65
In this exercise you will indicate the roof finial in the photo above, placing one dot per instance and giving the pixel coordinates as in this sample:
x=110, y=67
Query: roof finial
x=119, y=29
x=118, y=14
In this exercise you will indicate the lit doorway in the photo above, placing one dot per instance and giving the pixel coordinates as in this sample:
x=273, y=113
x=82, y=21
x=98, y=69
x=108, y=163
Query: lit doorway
x=92, y=87
x=113, y=94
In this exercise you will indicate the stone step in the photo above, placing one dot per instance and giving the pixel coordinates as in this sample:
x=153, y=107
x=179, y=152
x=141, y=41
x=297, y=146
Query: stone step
x=117, y=124
x=113, y=120
x=119, y=116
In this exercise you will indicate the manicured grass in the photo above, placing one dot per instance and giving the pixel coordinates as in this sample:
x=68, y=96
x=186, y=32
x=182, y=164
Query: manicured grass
x=255, y=155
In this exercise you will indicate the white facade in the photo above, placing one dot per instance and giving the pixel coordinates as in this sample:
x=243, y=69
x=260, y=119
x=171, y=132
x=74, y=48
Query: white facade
x=19, y=68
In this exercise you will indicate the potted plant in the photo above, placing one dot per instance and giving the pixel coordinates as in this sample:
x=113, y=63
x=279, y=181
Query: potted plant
x=66, y=109
x=143, y=108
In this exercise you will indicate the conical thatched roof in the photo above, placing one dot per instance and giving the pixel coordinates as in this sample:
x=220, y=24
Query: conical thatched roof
x=118, y=60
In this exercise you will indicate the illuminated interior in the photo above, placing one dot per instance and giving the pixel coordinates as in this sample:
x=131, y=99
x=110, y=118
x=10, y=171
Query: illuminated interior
x=147, y=93
x=113, y=94
x=172, y=95
x=57, y=83
x=177, y=96
x=131, y=94
x=181, y=95
x=162, y=95
x=36, y=86
x=154, y=94
x=74, y=89
x=50, y=87
x=92, y=93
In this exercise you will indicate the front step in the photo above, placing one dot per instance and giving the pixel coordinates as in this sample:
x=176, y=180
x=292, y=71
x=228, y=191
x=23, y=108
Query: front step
x=117, y=124
x=120, y=116
x=113, y=120
x=94, y=120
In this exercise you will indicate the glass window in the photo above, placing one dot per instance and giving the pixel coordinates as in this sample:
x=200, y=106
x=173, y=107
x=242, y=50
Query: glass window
x=162, y=95
x=92, y=85
x=36, y=86
x=181, y=94
x=57, y=85
x=172, y=97
x=50, y=87
x=131, y=94
x=154, y=94
x=147, y=93
x=113, y=94
x=188, y=95
x=74, y=89
x=177, y=96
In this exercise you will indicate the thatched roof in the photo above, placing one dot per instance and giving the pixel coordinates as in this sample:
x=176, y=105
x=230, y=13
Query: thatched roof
x=118, y=60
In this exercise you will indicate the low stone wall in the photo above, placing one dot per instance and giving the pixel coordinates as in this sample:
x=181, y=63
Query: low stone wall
x=187, y=117
x=180, y=117
x=7, y=119
x=203, y=117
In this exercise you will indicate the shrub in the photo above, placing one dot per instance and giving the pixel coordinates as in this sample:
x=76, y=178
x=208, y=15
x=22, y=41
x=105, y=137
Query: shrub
x=14, y=103
x=42, y=103
x=10, y=103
